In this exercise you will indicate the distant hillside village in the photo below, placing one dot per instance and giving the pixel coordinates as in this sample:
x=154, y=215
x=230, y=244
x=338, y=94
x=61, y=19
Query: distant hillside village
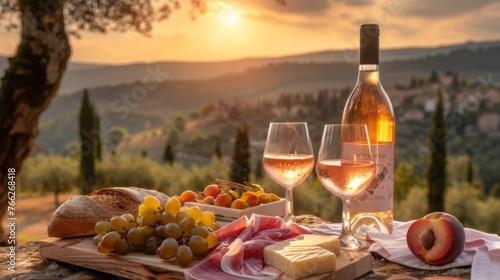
x=477, y=101
x=472, y=109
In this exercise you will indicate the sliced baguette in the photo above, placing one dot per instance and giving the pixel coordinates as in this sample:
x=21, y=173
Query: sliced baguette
x=78, y=215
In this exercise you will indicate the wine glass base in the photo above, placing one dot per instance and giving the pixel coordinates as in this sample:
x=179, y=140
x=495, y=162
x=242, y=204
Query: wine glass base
x=352, y=244
x=289, y=220
x=363, y=223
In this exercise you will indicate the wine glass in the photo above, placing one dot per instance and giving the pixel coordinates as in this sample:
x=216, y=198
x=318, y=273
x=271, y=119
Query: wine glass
x=288, y=158
x=345, y=167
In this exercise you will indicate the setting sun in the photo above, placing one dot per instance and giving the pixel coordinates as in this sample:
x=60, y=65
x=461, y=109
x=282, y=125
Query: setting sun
x=111, y=109
x=230, y=16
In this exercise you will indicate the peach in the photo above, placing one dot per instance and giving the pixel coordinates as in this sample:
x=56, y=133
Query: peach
x=212, y=190
x=223, y=200
x=251, y=198
x=437, y=239
x=239, y=204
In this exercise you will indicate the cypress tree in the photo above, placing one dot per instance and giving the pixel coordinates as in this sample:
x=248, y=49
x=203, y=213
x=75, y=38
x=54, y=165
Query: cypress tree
x=469, y=177
x=434, y=77
x=217, y=151
x=495, y=191
x=174, y=136
x=144, y=153
x=436, y=169
x=97, y=137
x=455, y=83
x=168, y=155
x=258, y=170
x=240, y=166
x=334, y=104
x=87, y=168
x=413, y=82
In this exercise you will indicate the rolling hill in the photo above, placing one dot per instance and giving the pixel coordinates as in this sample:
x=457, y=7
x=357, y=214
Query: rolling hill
x=87, y=75
x=171, y=96
x=135, y=104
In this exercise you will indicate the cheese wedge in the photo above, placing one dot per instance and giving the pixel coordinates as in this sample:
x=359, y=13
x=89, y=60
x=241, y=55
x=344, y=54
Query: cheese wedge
x=304, y=255
x=329, y=243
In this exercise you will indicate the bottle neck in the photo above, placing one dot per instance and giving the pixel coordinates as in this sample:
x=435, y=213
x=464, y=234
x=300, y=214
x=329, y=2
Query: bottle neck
x=369, y=54
x=368, y=74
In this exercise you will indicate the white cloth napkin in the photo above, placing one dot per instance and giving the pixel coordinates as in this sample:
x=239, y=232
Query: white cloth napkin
x=481, y=252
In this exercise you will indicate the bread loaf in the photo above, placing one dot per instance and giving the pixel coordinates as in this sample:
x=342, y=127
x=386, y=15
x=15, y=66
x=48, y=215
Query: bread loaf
x=78, y=215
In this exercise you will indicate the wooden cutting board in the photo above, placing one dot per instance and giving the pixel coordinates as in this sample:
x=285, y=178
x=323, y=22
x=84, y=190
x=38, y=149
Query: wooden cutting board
x=136, y=265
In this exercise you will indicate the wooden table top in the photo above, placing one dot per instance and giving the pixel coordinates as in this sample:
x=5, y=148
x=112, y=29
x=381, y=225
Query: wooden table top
x=30, y=265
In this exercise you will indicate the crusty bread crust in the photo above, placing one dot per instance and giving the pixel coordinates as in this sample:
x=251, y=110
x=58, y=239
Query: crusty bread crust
x=78, y=215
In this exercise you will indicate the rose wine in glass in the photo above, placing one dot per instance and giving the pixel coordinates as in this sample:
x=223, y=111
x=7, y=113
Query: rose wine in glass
x=345, y=167
x=288, y=158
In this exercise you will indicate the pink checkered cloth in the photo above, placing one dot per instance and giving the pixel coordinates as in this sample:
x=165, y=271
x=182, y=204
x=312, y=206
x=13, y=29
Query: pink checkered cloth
x=481, y=252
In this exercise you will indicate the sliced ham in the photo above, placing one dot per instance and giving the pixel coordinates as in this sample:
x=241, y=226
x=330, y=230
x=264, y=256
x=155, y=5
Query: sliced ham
x=231, y=231
x=240, y=253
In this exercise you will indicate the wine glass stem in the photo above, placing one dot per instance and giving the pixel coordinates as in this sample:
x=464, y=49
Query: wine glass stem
x=288, y=207
x=346, y=217
x=347, y=239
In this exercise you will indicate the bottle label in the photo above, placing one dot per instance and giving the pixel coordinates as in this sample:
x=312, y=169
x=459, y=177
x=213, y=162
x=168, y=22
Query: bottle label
x=378, y=196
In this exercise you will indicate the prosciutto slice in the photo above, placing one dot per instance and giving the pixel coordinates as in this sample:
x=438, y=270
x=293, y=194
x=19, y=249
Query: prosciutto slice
x=240, y=253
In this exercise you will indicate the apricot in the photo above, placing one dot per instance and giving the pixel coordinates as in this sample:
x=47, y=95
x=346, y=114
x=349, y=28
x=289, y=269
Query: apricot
x=274, y=197
x=223, y=200
x=239, y=204
x=233, y=194
x=212, y=190
x=437, y=239
x=250, y=198
x=200, y=195
x=188, y=196
x=264, y=198
x=209, y=200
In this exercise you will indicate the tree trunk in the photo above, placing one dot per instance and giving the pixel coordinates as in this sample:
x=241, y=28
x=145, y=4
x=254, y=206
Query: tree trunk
x=29, y=84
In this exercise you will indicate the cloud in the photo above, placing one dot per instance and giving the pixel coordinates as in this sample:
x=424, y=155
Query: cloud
x=307, y=7
x=401, y=30
x=358, y=3
x=302, y=22
x=311, y=14
x=440, y=8
x=299, y=7
x=405, y=23
x=486, y=24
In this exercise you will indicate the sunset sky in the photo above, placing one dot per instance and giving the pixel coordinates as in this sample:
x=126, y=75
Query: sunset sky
x=237, y=28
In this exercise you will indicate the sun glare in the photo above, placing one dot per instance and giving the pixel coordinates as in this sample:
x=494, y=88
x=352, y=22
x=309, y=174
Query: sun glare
x=230, y=16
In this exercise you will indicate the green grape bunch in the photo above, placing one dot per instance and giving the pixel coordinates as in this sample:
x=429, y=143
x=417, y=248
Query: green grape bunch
x=172, y=232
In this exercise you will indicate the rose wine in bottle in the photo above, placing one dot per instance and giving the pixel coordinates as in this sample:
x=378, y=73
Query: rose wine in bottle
x=372, y=210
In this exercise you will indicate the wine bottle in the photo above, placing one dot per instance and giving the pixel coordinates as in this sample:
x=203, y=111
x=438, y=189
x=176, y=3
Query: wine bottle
x=368, y=104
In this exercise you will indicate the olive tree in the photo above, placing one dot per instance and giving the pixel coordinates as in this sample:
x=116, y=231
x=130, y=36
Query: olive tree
x=35, y=71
